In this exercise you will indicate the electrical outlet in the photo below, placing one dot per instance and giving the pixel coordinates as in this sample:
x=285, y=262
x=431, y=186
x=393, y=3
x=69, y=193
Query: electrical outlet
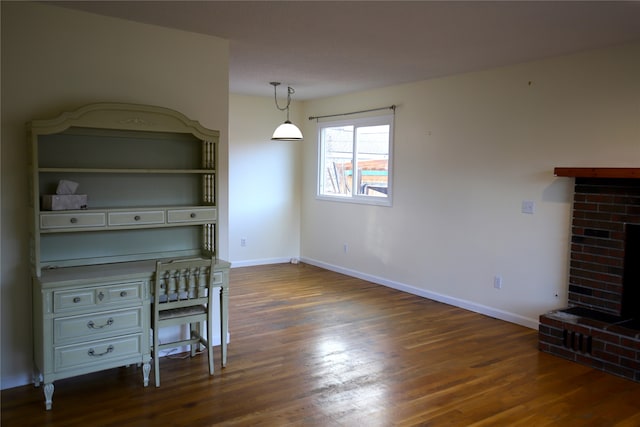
x=345, y=248
x=497, y=282
x=243, y=241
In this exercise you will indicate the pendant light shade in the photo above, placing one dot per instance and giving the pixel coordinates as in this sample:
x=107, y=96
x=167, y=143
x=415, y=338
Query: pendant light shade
x=286, y=131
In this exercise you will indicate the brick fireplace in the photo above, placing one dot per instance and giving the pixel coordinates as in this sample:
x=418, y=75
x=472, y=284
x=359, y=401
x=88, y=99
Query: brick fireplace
x=601, y=326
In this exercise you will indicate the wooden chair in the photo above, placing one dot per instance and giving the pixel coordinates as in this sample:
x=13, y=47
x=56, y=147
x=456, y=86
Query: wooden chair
x=183, y=296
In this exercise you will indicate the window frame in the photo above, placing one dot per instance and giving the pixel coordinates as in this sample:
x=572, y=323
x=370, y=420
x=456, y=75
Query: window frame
x=378, y=120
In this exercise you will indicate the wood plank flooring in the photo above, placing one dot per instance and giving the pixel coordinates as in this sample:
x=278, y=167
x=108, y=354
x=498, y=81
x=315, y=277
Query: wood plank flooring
x=310, y=347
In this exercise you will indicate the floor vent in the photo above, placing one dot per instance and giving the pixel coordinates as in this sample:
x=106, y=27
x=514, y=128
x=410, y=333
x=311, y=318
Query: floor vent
x=576, y=341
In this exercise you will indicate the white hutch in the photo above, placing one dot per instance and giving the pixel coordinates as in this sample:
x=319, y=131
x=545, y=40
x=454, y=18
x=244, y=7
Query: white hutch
x=149, y=174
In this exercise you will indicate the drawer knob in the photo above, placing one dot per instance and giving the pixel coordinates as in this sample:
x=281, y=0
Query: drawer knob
x=93, y=353
x=77, y=299
x=92, y=325
x=137, y=217
x=193, y=215
x=73, y=220
x=123, y=294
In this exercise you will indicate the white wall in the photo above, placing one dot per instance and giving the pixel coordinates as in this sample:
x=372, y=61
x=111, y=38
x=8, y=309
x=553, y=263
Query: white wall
x=264, y=183
x=468, y=150
x=53, y=60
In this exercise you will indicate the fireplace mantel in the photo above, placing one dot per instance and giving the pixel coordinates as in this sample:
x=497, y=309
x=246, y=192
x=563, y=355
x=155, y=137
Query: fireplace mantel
x=598, y=172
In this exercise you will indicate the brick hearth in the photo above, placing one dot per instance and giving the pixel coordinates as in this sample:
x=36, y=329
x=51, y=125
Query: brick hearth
x=600, y=328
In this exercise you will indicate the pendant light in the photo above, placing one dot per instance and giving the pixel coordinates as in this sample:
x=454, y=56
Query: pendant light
x=286, y=131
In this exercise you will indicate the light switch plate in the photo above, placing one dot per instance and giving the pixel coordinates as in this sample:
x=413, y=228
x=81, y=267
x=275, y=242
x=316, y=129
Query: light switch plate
x=528, y=207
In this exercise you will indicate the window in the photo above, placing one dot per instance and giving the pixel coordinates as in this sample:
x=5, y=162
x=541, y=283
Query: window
x=355, y=160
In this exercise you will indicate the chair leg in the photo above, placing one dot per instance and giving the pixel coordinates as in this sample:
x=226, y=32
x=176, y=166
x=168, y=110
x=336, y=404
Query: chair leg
x=156, y=360
x=194, y=346
x=210, y=344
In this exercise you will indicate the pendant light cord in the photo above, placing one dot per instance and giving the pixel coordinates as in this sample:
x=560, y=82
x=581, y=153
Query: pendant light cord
x=290, y=91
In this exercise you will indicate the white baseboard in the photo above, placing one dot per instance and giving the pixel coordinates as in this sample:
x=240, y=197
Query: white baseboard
x=264, y=261
x=456, y=302
x=17, y=380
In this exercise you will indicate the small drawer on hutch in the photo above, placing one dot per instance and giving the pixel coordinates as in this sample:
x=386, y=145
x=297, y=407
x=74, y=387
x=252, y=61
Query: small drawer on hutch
x=97, y=324
x=136, y=218
x=191, y=215
x=72, y=220
x=96, y=352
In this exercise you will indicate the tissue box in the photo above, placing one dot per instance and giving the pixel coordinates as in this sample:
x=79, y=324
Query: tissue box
x=61, y=202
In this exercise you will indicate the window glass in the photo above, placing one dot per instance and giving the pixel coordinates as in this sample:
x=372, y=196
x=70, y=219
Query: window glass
x=355, y=160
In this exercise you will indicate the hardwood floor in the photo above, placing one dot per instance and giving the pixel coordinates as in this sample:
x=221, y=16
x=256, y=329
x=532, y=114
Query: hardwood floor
x=310, y=347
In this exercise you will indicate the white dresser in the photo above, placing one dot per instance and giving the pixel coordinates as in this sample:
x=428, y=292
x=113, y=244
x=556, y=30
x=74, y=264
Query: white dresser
x=149, y=174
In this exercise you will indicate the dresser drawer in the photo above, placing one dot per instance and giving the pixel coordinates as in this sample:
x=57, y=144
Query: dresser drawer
x=136, y=218
x=191, y=215
x=74, y=299
x=96, y=352
x=96, y=325
x=50, y=221
x=86, y=297
x=122, y=292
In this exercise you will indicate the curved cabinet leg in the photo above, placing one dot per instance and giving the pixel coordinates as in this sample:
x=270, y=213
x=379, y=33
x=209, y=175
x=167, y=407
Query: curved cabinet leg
x=48, y=395
x=146, y=369
x=37, y=378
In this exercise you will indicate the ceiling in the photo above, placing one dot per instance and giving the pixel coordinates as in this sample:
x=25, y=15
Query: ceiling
x=326, y=48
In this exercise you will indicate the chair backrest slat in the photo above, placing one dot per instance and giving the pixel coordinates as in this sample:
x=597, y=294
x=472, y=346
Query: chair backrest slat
x=182, y=280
